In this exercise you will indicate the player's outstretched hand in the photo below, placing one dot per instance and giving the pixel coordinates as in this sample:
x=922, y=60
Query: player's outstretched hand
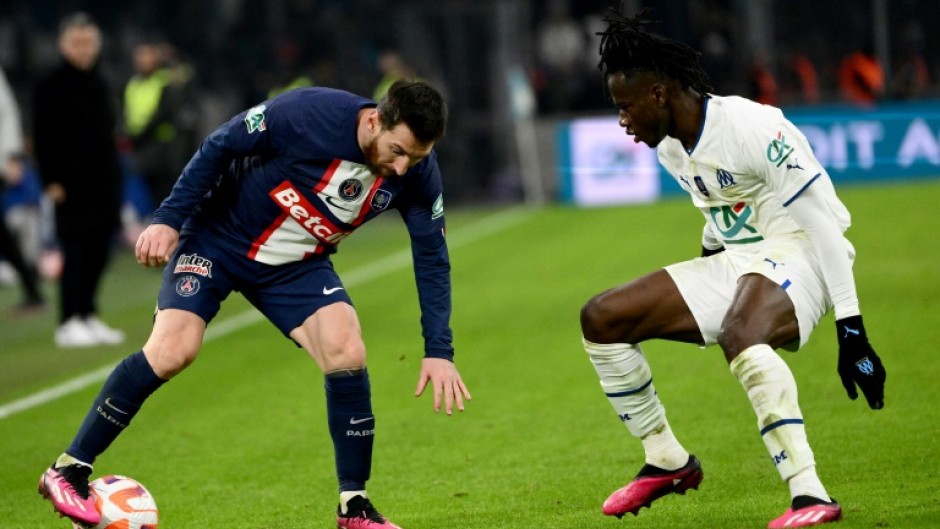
x=156, y=244
x=445, y=382
x=859, y=364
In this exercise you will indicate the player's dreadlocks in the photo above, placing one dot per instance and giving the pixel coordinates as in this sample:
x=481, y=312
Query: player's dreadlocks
x=626, y=46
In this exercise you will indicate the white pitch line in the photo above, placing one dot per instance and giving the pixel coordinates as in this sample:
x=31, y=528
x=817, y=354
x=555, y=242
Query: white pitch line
x=484, y=227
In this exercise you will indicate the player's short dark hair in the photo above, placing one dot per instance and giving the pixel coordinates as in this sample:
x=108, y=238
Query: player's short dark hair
x=416, y=104
x=626, y=47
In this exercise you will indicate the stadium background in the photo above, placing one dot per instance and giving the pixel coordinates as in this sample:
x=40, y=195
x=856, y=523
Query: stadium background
x=506, y=90
x=239, y=440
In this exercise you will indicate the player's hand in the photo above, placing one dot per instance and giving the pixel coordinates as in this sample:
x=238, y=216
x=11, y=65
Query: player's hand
x=445, y=382
x=156, y=244
x=859, y=364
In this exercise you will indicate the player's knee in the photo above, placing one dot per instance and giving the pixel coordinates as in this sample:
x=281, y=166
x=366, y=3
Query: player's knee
x=169, y=357
x=171, y=352
x=732, y=339
x=599, y=321
x=349, y=353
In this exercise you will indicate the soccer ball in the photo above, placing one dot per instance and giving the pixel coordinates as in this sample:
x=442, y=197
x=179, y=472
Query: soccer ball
x=123, y=503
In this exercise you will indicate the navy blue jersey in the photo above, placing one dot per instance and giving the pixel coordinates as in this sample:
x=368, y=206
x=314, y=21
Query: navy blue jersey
x=286, y=181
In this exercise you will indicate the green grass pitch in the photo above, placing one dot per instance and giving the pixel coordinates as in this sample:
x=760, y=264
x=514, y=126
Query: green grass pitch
x=239, y=440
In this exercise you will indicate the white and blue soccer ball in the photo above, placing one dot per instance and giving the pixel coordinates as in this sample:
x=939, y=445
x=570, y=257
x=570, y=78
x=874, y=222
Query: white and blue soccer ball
x=123, y=503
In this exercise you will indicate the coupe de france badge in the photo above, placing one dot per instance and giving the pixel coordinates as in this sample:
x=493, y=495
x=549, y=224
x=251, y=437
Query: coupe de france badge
x=254, y=119
x=437, y=210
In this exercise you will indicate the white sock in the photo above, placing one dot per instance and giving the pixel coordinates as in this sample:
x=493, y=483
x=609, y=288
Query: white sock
x=628, y=383
x=663, y=449
x=65, y=460
x=807, y=483
x=347, y=495
x=772, y=391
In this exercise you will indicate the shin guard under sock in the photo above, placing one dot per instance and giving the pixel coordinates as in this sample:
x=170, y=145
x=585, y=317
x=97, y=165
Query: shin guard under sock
x=352, y=426
x=628, y=383
x=772, y=391
x=120, y=398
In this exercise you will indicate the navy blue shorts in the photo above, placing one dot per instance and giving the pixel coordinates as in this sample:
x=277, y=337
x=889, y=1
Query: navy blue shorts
x=202, y=273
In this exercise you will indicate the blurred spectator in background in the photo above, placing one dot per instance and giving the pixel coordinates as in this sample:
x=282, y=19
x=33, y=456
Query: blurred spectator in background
x=861, y=78
x=12, y=177
x=762, y=85
x=800, y=80
x=716, y=26
x=911, y=78
x=153, y=103
x=30, y=217
x=74, y=124
x=392, y=67
x=291, y=71
x=561, y=46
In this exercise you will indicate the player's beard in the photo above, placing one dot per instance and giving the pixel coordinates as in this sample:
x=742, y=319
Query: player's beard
x=371, y=156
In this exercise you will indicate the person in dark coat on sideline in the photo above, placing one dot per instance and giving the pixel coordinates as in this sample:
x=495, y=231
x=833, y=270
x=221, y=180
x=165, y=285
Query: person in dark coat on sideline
x=74, y=124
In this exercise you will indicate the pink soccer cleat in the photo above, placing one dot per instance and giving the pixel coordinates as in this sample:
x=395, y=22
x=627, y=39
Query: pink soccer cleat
x=360, y=514
x=67, y=488
x=807, y=511
x=650, y=484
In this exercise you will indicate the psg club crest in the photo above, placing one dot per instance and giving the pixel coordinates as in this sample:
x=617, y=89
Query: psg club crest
x=380, y=200
x=187, y=285
x=350, y=189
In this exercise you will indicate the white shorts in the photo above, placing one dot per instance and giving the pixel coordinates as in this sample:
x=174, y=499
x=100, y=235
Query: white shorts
x=708, y=284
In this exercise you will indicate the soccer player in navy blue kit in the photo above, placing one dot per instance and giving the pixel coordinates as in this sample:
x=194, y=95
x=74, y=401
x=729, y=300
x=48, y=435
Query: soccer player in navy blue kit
x=259, y=209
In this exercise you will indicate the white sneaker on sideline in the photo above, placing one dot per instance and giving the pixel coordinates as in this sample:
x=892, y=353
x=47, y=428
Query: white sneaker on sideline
x=75, y=333
x=8, y=277
x=102, y=332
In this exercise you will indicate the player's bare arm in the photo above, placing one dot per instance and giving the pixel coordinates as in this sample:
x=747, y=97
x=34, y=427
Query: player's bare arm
x=446, y=384
x=155, y=245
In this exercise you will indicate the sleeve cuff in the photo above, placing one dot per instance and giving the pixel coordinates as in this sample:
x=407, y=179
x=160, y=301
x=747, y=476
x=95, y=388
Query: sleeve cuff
x=439, y=353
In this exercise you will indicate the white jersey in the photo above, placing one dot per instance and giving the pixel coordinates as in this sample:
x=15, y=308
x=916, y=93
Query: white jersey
x=748, y=164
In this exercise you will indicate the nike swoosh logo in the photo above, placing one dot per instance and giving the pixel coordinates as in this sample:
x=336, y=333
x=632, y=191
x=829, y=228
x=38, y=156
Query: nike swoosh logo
x=353, y=420
x=337, y=205
x=328, y=291
x=107, y=402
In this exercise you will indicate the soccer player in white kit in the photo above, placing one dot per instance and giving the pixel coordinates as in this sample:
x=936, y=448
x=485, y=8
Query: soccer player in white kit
x=774, y=261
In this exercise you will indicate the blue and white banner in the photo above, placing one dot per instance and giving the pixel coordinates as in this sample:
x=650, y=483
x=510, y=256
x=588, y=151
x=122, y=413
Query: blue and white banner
x=599, y=164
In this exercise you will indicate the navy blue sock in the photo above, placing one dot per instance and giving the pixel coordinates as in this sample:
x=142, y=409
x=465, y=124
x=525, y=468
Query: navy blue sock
x=120, y=398
x=352, y=426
